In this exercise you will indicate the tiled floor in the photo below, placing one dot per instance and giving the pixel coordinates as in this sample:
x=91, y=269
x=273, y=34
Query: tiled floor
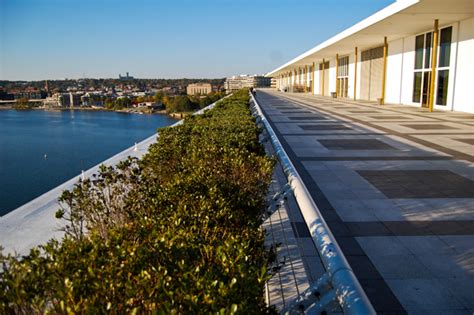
x=297, y=260
x=396, y=186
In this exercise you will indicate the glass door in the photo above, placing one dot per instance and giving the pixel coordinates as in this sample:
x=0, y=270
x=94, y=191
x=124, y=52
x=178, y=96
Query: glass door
x=426, y=88
x=422, y=71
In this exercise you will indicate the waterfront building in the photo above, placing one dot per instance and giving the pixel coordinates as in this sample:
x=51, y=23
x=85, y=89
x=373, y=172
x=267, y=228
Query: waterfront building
x=149, y=105
x=64, y=100
x=199, y=88
x=91, y=99
x=52, y=101
x=236, y=83
x=413, y=52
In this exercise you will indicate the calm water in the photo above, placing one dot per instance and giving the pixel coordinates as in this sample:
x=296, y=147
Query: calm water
x=72, y=140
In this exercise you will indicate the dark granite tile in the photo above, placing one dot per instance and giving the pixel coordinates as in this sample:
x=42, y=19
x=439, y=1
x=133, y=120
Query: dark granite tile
x=468, y=141
x=420, y=184
x=355, y=144
x=350, y=246
x=307, y=118
x=324, y=127
x=420, y=228
x=363, y=267
x=381, y=297
x=389, y=117
x=409, y=228
x=449, y=228
x=464, y=117
x=364, y=111
x=330, y=215
x=295, y=112
x=300, y=229
x=339, y=228
x=368, y=229
x=427, y=126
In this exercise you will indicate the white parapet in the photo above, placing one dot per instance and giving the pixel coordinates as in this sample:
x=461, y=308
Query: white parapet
x=34, y=223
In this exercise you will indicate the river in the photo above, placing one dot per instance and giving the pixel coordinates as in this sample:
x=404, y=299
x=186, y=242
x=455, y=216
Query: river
x=41, y=149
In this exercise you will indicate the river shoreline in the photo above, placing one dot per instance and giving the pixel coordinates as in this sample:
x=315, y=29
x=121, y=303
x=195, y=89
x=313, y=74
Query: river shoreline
x=100, y=109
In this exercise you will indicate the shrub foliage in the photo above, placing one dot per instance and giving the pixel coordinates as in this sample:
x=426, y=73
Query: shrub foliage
x=175, y=232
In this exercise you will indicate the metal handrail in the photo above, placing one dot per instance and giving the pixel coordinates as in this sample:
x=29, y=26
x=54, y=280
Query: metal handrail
x=339, y=275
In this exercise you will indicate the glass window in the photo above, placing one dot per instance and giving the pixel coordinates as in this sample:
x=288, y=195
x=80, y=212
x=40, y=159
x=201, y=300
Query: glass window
x=419, y=52
x=417, y=87
x=445, y=47
x=442, y=88
x=428, y=50
x=343, y=68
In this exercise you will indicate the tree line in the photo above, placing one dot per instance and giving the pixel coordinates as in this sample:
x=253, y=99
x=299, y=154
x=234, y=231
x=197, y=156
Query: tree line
x=172, y=103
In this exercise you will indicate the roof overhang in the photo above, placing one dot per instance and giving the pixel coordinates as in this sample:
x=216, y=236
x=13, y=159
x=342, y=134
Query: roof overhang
x=400, y=19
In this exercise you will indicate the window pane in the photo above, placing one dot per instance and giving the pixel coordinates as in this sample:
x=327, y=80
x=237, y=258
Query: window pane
x=442, y=88
x=428, y=50
x=417, y=87
x=445, y=47
x=419, y=52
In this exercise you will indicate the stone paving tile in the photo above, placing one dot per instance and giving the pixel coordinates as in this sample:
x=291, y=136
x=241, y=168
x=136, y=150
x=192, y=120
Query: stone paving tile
x=425, y=295
x=461, y=244
x=383, y=246
x=408, y=239
x=423, y=245
x=460, y=266
x=458, y=142
x=464, y=291
x=428, y=128
x=401, y=267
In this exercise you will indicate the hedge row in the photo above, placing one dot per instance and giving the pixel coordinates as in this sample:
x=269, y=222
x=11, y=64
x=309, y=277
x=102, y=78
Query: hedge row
x=175, y=232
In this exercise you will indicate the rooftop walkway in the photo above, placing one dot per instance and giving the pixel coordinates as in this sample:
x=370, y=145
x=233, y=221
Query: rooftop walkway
x=395, y=185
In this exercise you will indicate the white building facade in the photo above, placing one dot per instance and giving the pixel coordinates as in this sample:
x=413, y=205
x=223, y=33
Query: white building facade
x=388, y=58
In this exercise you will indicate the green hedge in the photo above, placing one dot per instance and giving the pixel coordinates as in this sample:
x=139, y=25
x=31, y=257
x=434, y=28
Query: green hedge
x=175, y=232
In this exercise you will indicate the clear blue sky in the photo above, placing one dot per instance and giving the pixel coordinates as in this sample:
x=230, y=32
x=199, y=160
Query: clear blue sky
x=55, y=39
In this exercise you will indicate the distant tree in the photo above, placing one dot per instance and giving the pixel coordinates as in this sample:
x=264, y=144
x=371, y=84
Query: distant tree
x=204, y=101
x=23, y=103
x=121, y=103
x=140, y=99
x=181, y=103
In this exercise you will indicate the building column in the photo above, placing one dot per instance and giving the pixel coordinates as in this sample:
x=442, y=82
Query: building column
x=434, y=60
x=294, y=81
x=384, y=75
x=322, y=92
x=355, y=74
x=306, y=78
x=337, y=71
x=313, y=69
x=299, y=77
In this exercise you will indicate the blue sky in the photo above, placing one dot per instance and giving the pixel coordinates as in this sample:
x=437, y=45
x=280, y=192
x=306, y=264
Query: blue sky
x=55, y=39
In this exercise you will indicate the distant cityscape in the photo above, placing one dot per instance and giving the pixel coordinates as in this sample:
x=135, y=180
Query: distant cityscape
x=97, y=92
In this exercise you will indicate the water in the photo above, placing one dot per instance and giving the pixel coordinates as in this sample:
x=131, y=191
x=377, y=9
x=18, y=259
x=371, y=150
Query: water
x=71, y=141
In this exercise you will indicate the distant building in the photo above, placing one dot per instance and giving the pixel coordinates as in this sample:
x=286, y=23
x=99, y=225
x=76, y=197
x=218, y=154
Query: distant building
x=64, y=99
x=199, y=88
x=52, y=101
x=273, y=84
x=150, y=105
x=91, y=99
x=127, y=77
x=246, y=81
